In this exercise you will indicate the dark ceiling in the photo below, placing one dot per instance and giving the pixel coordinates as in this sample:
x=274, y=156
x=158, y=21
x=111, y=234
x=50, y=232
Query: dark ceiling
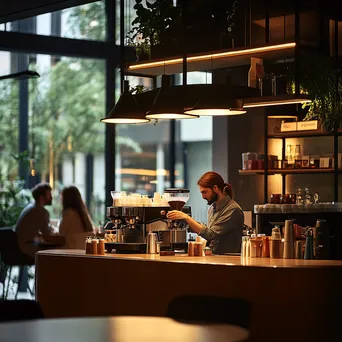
x=18, y=9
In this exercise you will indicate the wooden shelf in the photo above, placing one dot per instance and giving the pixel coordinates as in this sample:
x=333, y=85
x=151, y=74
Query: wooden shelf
x=287, y=171
x=212, y=60
x=300, y=213
x=300, y=134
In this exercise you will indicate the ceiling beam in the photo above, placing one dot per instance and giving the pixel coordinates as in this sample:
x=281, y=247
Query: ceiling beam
x=38, y=44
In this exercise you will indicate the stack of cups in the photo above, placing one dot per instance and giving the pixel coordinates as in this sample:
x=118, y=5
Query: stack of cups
x=265, y=247
x=156, y=199
x=289, y=252
x=244, y=243
x=275, y=243
x=299, y=250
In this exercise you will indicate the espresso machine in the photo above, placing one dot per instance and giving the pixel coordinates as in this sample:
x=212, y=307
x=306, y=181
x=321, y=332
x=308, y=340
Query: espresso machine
x=130, y=224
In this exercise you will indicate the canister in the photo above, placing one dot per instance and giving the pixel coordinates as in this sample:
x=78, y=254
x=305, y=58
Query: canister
x=151, y=247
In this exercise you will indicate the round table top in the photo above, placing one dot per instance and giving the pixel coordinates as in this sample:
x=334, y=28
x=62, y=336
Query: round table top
x=118, y=329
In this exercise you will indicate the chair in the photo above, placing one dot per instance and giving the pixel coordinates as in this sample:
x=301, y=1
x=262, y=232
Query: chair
x=19, y=310
x=11, y=255
x=203, y=309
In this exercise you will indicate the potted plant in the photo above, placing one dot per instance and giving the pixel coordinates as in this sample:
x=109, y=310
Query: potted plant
x=141, y=46
x=13, y=196
x=320, y=80
x=198, y=26
x=154, y=25
x=13, y=200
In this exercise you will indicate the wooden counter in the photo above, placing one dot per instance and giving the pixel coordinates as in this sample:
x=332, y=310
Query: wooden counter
x=302, y=295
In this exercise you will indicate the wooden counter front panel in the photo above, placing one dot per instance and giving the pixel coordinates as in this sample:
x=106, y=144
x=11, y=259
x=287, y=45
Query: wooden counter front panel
x=304, y=299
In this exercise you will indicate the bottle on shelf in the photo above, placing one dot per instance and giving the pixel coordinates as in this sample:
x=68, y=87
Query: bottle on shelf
x=316, y=198
x=308, y=196
x=289, y=156
x=298, y=158
x=299, y=196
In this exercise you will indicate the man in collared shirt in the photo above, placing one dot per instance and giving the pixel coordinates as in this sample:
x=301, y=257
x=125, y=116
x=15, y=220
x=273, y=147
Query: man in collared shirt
x=34, y=221
x=225, y=216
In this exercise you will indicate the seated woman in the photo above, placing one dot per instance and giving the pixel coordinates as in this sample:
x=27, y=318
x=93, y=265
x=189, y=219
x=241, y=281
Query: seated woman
x=75, y=224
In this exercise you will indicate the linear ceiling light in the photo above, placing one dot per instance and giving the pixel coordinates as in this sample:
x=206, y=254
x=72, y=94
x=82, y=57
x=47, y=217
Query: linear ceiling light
x=126, y=110
x=214, y=56
x=282, y=116
x=265, y=101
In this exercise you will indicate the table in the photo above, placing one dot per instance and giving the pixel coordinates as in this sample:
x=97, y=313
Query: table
x=118, y=329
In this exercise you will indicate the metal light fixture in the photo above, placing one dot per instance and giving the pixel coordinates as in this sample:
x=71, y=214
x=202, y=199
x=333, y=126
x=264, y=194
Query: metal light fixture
x=22, y=75
x=217, y=100
x=126, y=110
x=169, y=103
x=265, y=101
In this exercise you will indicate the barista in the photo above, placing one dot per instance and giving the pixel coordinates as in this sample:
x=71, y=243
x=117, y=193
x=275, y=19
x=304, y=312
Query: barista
x=225, y=216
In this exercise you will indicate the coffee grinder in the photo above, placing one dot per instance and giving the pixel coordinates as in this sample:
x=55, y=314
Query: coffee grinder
x=175, y=236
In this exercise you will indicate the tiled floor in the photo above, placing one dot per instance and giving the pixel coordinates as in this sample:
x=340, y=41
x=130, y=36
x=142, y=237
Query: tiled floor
x=13, y=284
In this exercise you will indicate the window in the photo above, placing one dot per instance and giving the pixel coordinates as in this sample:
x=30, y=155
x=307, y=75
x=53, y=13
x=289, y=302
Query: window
x=65, y=141
x=81, y=22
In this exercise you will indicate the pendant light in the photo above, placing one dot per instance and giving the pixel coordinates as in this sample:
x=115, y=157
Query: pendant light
x=126, y=110
x=169, y=102
x=22, y=75
x=218, y=100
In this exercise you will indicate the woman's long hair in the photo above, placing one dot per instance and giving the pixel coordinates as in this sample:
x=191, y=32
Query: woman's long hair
x=211, y=178
x=71, y=199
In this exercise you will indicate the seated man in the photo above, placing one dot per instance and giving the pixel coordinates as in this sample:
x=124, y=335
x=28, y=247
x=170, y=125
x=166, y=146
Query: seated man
x=34, y=221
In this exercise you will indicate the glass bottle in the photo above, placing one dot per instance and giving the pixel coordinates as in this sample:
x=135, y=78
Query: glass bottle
x=316, y=198
x=298, y=158
x=308, y=196
x=289, y=156
x=299, y=196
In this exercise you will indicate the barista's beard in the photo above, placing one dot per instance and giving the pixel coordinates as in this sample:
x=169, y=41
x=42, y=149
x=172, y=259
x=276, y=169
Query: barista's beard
x=212, y=199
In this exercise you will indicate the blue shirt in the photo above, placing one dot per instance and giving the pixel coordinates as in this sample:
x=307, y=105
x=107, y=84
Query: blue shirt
x=225, y=225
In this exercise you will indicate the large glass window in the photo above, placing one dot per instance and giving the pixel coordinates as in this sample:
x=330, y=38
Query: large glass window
x=9, y=128
x=64, y=141
x=81, y=22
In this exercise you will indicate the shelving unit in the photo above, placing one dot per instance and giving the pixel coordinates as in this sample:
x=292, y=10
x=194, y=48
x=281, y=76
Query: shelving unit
x=289, y=171
x=335, y=171
x=212, y=60
x=302, y=134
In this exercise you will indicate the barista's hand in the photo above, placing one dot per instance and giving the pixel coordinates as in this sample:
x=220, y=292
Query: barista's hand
x=177, y=215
